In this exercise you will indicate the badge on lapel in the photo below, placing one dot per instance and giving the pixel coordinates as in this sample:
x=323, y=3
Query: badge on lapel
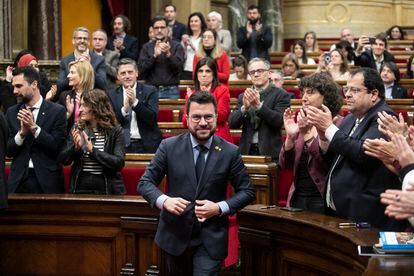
x=217, y=148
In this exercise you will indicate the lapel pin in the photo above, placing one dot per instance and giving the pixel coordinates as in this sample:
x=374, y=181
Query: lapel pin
x=217, y=148
x=43, y=113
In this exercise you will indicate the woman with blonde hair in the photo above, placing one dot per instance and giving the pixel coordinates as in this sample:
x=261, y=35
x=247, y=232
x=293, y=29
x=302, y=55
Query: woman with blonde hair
x=215, y=22
x=81, y=78
x=210, y=47
x=95, y=147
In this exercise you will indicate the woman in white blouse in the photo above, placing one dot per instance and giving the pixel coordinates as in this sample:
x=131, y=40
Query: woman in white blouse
x=191, y=41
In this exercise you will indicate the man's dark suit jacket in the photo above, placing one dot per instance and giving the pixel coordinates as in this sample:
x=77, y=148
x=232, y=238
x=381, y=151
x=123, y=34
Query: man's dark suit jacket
x=399, y=92
x=146, y=114
x=366, y=59
x=270, y=129
x=178, y=30
x=263, y=43
x=44, y=150
x=98, y=64
x=3, y=148
x=131, y=47
x=357, y=179
x=174, y=158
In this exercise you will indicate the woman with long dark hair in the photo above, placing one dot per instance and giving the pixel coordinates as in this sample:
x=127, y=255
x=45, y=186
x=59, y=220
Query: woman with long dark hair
x=196, y=25
x=206, y=79
x=210, y=47
x=299, y=49
x=95, y=147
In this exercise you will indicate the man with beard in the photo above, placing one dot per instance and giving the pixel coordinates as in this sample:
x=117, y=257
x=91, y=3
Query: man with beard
x=37, y=132
x=120, y=41
x=81, y=42
x=3, y=147
x=193, y=225
x=254, y=39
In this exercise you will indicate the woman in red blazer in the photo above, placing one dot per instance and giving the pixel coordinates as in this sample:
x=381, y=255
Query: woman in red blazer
x=300, y=150
x=206, y=79
x=210, y=47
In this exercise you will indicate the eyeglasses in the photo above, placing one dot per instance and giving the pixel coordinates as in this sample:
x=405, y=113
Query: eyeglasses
x=259, y=71
x=82, y=38
x=196, y=118
x=159, y=28
x=353, y=90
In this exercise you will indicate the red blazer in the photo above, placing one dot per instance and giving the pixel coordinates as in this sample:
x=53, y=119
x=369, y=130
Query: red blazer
x=318, y=167
x=222, y=95
x=223, y=67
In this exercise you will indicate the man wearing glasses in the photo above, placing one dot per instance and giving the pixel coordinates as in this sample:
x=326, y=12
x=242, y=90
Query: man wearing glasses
x=81, y=42
x=356, y=180
x=260, y=113
x=193, y=225
x=161, y=61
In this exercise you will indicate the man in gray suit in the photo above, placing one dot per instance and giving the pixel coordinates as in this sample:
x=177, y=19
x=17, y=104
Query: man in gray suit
x=193, y=226
x=99, y=41
x=260, y=112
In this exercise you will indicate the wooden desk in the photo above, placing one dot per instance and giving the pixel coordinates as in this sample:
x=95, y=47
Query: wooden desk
x=276, y=242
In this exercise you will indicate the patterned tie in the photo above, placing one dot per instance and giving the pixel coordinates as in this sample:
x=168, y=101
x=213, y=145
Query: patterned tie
x=201, y=161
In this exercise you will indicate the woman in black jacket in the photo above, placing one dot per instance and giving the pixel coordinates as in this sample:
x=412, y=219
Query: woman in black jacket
x=96, y=148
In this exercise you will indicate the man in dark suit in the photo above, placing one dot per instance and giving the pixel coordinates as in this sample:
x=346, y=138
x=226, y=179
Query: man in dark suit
x=260, y=112
x=37, y=132
x=254, y=39
x=374, y=57
x=81, y=42
x=178, y=28
x=136, y=107
x=3, y=148
x=356, y=180
x=120, y=41
x=390, y=75
x=193, y=225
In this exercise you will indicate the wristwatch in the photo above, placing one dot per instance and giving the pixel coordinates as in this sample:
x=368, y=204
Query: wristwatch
x=34, y=129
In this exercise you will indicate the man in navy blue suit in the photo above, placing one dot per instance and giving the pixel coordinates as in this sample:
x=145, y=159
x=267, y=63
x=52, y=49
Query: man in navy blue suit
x=37, y=133
x=193, y=225
x=81, y=42
x=120, y=41
x=136, y=108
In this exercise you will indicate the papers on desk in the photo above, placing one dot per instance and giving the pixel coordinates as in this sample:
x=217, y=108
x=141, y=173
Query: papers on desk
x=390, y=244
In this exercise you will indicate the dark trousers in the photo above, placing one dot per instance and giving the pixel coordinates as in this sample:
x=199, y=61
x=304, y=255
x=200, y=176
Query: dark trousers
x=194, y=261
x=136, y=146
x=30, y=184
x=89, y=183
x=254, y=149
x=310, y=203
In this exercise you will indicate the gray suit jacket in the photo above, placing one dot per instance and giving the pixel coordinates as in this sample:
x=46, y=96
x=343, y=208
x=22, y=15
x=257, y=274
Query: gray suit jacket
x=174, y=158
x=111, y=62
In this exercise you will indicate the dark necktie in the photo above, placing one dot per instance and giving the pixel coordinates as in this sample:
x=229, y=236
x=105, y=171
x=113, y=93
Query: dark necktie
x=201, y=161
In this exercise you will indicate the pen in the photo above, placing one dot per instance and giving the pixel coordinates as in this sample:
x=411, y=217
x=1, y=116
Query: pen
x=347, y=224
x=268, y=207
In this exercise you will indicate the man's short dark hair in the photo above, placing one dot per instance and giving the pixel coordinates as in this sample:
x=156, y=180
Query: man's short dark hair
x=394, y=68
x=327, y=87
x=29, y=74
x=125, y=21
x=253, y=7
x=126, y=61
x=170, y=5
x=201, y=97
x=383, y=38
x=372, y=80
x=159, y=18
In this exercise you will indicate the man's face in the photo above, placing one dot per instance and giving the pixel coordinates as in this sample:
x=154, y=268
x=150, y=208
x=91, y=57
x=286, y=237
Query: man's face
x=357, y=98
x=201, y=121
x=347, y=35
x=118, y=25
x=276, y=79
x=253, y=14
x=22, y=89
x=81, y=41
x=378, y=47
x=387, y=75
x=170, y=13
x=127, y=75
x=160, y=30
x=259, y=74
x=99, y=41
